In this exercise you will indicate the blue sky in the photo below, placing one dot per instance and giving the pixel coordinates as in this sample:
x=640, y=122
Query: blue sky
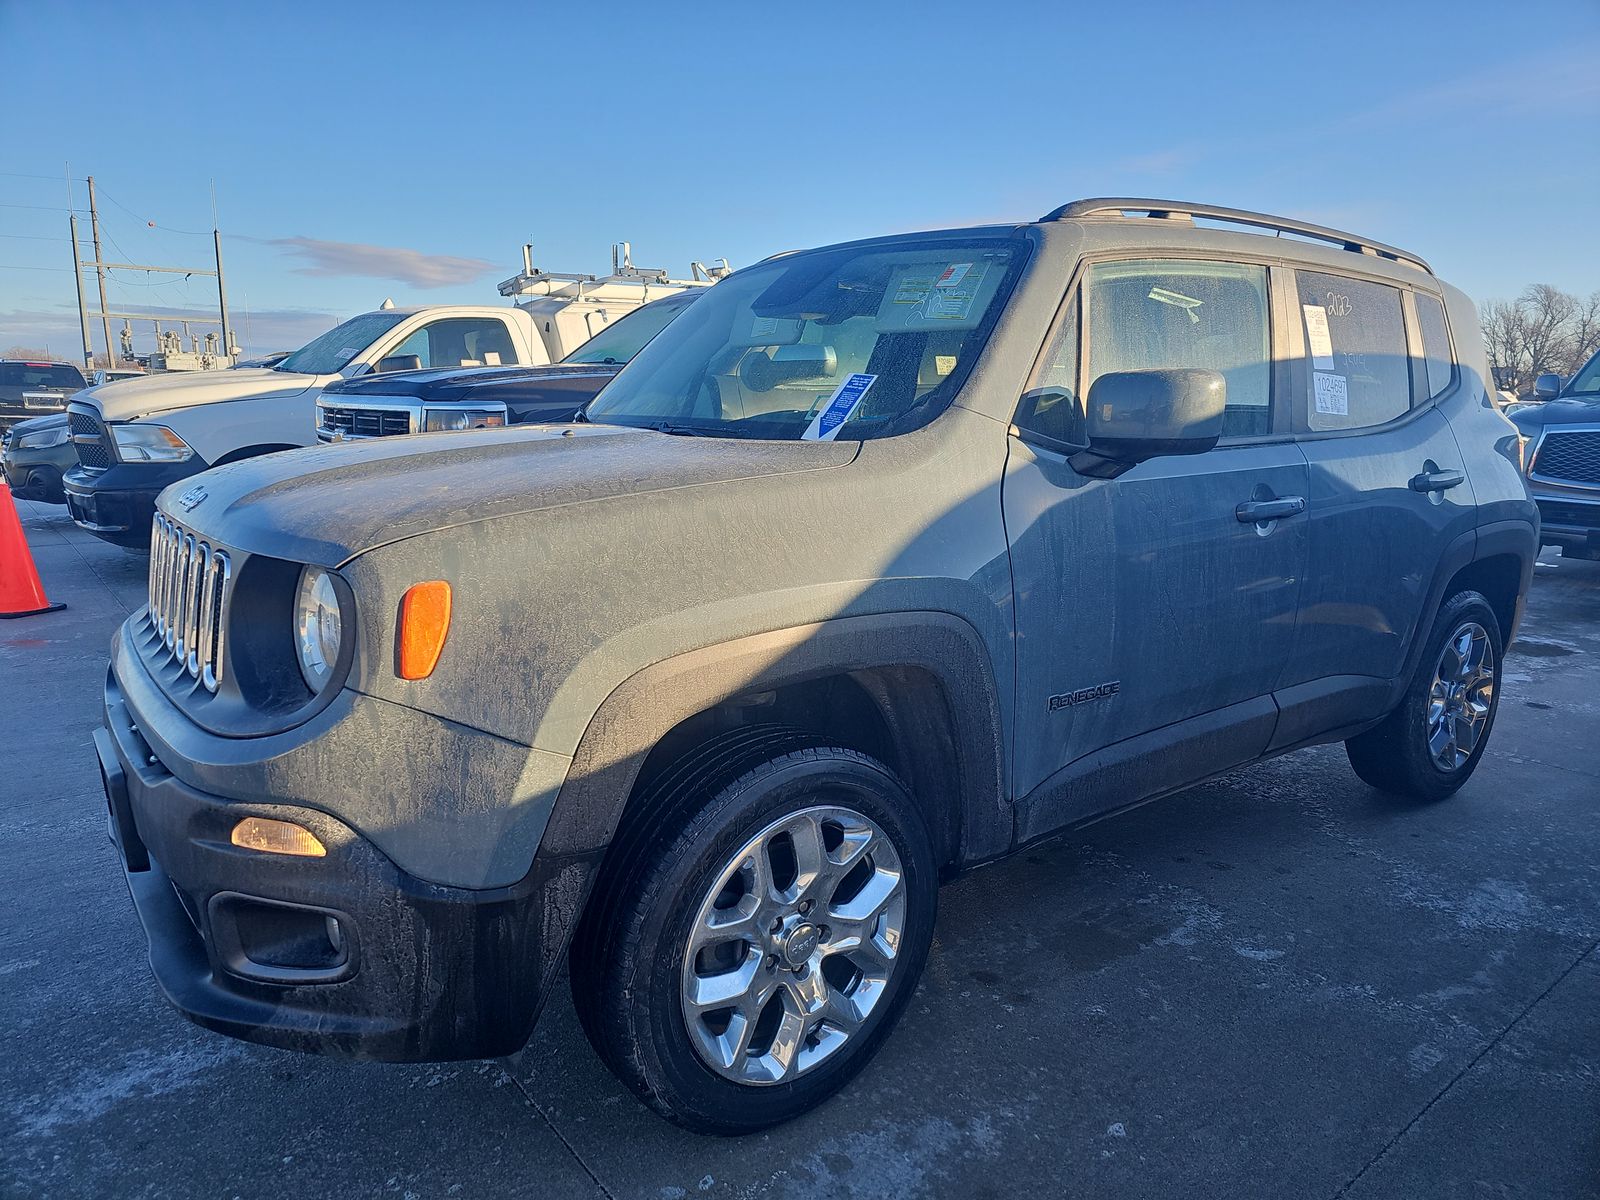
x=447, y=135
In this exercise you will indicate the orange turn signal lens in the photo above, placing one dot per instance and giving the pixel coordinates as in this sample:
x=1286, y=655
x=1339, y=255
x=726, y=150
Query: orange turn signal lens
x=424, y=624
x=276, y=837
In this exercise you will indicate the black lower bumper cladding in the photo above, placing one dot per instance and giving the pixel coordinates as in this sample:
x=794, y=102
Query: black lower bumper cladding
x=343, y=954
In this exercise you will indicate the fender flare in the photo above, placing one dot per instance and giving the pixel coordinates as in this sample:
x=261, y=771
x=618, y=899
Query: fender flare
x=642, y=709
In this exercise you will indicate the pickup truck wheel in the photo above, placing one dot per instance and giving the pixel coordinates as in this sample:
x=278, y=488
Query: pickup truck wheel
x=747, y=962
x=1431, y=743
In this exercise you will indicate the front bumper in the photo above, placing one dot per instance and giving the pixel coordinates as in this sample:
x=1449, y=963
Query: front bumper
x=346, y=954
x=1569, y=518
x=118, y=504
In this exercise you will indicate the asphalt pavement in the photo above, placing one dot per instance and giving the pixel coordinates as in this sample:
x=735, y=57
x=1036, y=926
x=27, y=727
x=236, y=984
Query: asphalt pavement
x=1277, y=984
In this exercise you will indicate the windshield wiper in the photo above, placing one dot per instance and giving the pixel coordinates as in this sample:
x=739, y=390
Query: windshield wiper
x=678, y=430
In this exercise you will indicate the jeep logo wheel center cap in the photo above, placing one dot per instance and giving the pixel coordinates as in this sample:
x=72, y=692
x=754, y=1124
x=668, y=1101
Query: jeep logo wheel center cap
x=800, y=944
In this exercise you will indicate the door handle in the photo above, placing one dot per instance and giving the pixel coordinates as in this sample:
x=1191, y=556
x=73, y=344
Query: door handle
x=1436, y=481
x=1257, y=512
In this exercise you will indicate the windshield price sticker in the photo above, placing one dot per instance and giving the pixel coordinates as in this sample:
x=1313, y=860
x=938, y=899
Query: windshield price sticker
x=1317, y=334
x=1333, y=396
x=840, y=408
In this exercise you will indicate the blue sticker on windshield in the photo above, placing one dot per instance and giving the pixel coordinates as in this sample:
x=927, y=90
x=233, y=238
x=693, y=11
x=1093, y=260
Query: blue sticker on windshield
x=841, y=405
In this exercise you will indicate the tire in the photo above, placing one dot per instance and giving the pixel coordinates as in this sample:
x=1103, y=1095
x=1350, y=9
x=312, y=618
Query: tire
x=1397, y=756
x=687, y=861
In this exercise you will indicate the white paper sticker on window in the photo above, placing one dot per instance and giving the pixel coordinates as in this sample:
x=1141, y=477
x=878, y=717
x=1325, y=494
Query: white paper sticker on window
x=953, y=274
x=1317, y=334
x=1333, y=398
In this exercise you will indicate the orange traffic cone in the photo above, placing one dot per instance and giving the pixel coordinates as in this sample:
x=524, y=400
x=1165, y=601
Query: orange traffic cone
x=21, y=593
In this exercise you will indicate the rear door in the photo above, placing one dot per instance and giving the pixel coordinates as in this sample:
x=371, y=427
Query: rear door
x=1146, y=608
x=1388, y=494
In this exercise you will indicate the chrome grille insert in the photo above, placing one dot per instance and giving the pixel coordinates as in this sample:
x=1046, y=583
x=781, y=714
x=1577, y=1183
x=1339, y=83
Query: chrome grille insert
x=1568, y=456
x=190, y=585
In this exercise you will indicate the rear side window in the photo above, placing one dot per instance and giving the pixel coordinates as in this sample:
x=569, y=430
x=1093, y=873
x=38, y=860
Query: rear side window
x=1436, y=354
x=1160, y=314
x=1356, y=347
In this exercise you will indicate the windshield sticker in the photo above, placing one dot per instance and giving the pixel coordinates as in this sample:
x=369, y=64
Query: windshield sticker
x=349, y=351
x=953, y=301
x=1333, y=397
x=840, y=408
x=1317, y=334
x=953, y=275
x=913, y=289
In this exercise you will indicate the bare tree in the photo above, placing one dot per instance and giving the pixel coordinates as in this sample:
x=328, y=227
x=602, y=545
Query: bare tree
x=1544, y=330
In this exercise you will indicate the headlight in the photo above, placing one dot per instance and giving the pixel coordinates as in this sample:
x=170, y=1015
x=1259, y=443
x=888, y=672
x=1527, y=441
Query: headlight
x=44, y=439
x=149, y=443
x=435, y=419
x=316, y=626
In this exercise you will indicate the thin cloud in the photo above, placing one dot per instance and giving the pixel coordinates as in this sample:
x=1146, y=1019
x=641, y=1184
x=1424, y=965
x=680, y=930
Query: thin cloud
x=356, y=260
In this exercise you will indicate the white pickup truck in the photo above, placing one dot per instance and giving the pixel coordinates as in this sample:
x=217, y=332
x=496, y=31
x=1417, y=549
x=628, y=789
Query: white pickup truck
x=136, y=437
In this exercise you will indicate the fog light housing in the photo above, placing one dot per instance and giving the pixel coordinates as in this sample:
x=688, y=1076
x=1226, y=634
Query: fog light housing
x=268, y=836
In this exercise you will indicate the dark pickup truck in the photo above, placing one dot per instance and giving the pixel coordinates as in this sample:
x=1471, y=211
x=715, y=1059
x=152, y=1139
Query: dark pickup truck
x=1563, y=459
x=31, y=389
x=489, y=397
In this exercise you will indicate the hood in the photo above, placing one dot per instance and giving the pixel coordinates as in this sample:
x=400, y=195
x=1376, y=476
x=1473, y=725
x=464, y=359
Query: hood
x=451, y=383
x=128, y=399
x=327, y=504
x=38, y=424
x=1566, y=410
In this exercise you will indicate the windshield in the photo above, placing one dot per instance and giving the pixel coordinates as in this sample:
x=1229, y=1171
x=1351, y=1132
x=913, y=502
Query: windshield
x=621, y=340
x=334, y=349
x=854, y=341
x=1587, y=381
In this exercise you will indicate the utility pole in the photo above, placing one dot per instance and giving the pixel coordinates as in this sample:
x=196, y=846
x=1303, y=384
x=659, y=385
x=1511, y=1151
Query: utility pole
x=100, y=273
x=83, y=310
x=222, y=295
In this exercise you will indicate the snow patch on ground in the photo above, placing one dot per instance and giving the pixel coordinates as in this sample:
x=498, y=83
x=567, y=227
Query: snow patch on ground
x=141, y=1074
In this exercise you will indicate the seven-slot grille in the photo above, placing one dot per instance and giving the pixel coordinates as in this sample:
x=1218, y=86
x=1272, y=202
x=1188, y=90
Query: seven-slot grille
x=1570, y=455
x=366, y=422
x=88, y=439
x=190, y=583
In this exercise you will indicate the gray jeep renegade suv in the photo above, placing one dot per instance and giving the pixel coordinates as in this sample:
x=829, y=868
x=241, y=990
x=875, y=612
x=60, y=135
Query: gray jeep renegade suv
x=882, y=561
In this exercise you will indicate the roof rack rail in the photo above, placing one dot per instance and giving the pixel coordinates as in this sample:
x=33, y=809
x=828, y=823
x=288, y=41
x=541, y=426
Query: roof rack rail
x=1179, y=210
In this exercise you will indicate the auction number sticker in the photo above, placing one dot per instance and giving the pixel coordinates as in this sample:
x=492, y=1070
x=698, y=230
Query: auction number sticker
x=841, y=406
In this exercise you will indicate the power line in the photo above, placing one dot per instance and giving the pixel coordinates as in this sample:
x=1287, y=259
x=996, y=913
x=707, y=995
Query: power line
x=11, y=267
x=44, y=208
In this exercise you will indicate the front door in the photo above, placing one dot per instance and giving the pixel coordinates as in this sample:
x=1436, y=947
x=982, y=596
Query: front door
x=1154, y=617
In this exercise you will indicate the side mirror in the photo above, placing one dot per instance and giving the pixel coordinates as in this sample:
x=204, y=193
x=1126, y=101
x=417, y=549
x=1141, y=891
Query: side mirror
x=1138, y=415
x=1547, y=387
x=400, y=362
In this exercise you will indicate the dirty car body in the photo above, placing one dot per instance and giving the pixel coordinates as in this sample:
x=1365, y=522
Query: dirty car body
x=1003, y=579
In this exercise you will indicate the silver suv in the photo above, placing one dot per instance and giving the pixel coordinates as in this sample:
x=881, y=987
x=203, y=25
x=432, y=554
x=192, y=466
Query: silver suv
x=882, y=561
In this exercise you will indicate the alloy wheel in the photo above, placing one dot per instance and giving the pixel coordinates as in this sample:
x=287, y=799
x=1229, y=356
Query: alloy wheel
x=793, y=947
x=1461, y=696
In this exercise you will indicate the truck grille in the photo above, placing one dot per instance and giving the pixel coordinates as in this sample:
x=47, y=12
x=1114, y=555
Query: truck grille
x=1573, y=456
x=88, y=439
x=366, y=422
x=190, y=586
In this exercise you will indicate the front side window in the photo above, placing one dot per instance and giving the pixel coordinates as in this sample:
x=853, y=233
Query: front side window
x=852, y=342
x=1356, y=347
x=454, y=342
x=619, y=341
x=333, y=350
x=1439, y=362
x=1162, y=314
